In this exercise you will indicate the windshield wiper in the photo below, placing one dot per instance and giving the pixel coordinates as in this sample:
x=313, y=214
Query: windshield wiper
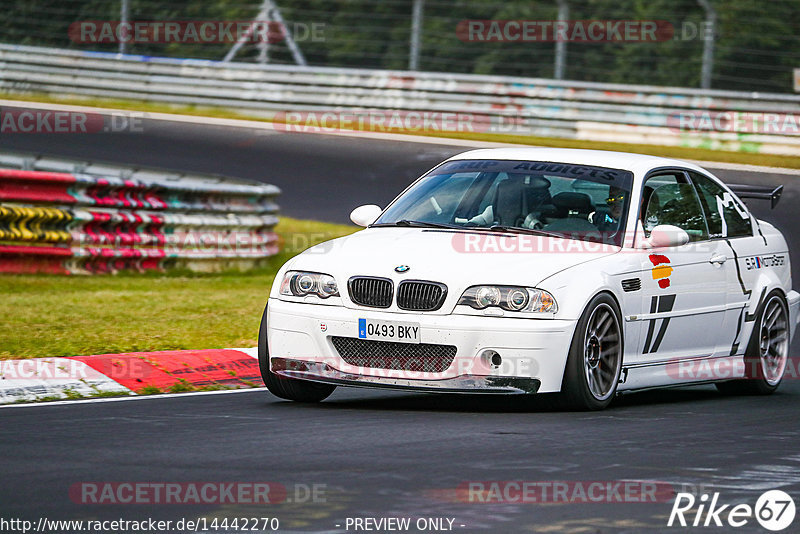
x=493, y=228
x=420, y=224
x=515, y=230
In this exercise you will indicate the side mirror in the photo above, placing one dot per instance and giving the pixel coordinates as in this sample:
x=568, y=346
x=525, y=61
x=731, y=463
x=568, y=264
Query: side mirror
x=666, y=236
x=365, y=215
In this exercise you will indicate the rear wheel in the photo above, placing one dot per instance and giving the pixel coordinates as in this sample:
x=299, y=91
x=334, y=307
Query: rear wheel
x=595, y=357
x=767, y=352
x=286, y=388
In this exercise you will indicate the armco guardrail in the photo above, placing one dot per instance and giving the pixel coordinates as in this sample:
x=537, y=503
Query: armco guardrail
x=65, y=217
x=527, y=106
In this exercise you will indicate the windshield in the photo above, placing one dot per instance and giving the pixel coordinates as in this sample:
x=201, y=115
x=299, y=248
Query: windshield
x=565, y=200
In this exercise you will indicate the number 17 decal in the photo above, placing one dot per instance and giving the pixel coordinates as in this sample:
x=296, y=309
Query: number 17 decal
x=658, y=304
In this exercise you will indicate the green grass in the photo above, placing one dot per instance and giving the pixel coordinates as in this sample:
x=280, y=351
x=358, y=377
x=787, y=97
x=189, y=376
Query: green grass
x=680, y=152
x=45, y=315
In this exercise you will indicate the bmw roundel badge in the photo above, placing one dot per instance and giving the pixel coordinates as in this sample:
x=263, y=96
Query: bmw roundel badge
x=402, y=268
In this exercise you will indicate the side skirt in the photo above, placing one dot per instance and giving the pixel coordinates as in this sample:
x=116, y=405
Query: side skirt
x=679, y=372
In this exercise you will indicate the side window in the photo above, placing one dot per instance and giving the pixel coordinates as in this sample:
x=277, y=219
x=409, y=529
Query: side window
x=667, y=201
x=726, y=217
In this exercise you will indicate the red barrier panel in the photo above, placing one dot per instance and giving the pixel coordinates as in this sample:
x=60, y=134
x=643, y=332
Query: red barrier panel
x=27, y=265
x=33, y=250
x=21, y=259
x=34, y=186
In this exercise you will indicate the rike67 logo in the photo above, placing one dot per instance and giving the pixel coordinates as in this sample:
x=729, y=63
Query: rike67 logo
x=774, y=510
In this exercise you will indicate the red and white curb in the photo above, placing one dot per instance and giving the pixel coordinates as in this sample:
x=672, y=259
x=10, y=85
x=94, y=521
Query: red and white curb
x=132, y=373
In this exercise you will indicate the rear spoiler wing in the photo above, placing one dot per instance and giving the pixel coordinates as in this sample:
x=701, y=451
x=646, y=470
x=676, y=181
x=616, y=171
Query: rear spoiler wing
x=760, y=192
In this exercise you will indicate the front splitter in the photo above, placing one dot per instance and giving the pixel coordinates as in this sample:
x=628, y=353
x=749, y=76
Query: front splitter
x=324, y=373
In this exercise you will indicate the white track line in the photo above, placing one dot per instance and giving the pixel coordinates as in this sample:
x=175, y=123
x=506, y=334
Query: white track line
x=131, y=398
x=405, y=138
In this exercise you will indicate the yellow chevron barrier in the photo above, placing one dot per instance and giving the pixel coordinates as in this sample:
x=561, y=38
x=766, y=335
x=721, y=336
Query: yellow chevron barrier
x=19, y=223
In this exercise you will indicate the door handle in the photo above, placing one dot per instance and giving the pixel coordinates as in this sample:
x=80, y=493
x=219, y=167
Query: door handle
x=719, y=259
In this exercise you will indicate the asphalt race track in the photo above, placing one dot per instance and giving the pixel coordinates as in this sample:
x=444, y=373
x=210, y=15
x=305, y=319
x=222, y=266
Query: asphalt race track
x=378, y=454
x=401, y=455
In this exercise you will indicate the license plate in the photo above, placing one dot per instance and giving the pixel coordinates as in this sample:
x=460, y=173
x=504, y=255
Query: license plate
x=388, y=331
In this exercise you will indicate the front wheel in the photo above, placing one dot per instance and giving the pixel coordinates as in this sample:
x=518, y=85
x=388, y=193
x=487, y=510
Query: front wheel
x=286, y=388
x=767, y=352
x=595, y=357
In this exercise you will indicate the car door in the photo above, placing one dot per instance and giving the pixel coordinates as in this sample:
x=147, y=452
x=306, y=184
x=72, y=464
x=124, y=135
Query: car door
x=730, y=223
x=683, y=288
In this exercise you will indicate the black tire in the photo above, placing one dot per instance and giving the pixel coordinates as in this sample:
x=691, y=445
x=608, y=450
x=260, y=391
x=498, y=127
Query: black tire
x=756, y=381
x=286, y=388
x=578, y=390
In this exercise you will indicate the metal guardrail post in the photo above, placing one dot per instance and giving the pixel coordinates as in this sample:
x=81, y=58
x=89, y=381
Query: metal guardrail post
x=561, y=45
x=709, y=35
x=416, y=37
x=124, y=18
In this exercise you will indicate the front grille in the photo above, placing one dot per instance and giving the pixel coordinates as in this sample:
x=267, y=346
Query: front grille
x=422, y=357
x=417, y=295
x=372, y=292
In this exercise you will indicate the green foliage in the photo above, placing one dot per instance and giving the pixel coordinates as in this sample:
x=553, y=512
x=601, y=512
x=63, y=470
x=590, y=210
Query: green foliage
x=181, y=386
x=757, y=46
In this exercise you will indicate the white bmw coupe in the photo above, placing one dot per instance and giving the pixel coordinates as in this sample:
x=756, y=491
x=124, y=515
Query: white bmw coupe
x=533, y=270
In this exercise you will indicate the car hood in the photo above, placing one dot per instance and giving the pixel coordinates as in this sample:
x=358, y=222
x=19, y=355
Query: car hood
x=457, y=258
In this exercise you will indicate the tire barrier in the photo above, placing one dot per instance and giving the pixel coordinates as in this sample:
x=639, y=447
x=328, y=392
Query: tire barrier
x=426, y=102
x=87, y=223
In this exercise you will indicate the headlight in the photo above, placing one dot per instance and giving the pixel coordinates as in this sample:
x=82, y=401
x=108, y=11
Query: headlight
x=510, y=298
x=300, y=284
x=487, y=296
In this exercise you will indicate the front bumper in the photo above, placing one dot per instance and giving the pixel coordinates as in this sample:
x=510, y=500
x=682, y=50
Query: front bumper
x=533, y=351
